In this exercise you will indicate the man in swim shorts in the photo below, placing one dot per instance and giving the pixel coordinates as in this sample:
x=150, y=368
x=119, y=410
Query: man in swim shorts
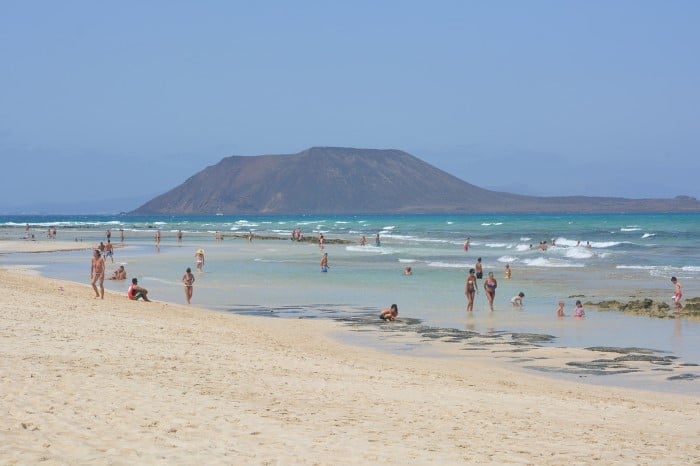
x=479, y=269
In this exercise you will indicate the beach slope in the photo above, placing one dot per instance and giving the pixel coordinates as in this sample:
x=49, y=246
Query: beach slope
x=89, y=381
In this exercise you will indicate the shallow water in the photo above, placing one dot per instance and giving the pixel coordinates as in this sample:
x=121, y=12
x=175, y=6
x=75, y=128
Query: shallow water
x=630, y=257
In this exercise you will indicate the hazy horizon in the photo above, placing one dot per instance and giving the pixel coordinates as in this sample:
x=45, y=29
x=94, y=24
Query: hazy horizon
x=125, y=102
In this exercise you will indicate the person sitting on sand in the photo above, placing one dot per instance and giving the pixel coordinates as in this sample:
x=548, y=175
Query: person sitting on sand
x=135, y=291
x=119, y=274
x=560, y=309
x=517, y=300
x=390, y=313
x=578, y=310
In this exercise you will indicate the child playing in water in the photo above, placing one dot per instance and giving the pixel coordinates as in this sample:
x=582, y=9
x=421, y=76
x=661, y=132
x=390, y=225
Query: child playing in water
x=578, y=310
x=517, y=300
x=560, y=309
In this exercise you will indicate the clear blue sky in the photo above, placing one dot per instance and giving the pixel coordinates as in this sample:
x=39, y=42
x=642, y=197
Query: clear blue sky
x=101, y=100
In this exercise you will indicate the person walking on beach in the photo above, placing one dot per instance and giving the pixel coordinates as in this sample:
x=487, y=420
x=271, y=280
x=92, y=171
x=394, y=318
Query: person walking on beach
x=390, y=313
x=479, y=269
x=179, y=236
x=677, y=294
x=324, y=262
x=470, y=290
x=97, y=273
x=490, y=285
x=135, y=291
x=188, y=281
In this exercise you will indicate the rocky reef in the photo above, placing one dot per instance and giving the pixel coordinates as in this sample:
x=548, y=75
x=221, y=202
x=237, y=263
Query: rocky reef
x=649, y=307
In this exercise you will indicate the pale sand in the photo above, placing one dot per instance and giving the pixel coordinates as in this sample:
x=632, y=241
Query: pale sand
x=86, y=381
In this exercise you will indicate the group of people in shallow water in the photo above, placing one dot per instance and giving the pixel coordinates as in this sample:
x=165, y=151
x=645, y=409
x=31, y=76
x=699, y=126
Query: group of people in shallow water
x=135, y=291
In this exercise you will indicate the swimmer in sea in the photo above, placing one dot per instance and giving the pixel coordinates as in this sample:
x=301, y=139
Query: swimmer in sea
x=390, y=313
x=578, y=310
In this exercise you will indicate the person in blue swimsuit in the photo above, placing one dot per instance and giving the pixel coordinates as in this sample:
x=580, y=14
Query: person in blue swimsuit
x=490, y=285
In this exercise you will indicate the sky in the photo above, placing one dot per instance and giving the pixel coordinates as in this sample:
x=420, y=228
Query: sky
x=108, y=104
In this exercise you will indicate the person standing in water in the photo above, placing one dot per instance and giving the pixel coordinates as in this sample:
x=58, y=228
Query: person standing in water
x=490, y=285
x=199, y=258
x=324, y=262
x=188, y=281
x=479, y=269
x=470, y=290
x=677, y=293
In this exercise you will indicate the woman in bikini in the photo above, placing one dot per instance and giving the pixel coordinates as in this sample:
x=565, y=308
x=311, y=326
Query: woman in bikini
x=188, y=280
x=490, y=285
x=470, y=289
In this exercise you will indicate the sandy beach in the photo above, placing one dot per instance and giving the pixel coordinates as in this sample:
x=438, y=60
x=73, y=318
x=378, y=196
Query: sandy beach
x=89, y=381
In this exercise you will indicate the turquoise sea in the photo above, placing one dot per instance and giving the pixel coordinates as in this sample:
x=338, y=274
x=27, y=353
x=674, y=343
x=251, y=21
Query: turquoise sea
x=594, y=258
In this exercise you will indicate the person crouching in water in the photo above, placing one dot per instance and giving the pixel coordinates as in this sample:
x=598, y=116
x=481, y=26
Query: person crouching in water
x=135, y=291
x=390, y=313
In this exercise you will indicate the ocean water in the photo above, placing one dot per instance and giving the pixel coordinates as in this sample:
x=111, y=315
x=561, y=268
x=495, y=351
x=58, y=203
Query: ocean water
x=594, y=258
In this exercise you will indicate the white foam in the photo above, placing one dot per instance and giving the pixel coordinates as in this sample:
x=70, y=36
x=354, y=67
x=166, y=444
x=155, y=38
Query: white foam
x=544, y=262
x=507, y=259
x=495, y=245
x=407, y=261
x=630, y=229
x=449, y=265
x=648, y=235
x=578, y=253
